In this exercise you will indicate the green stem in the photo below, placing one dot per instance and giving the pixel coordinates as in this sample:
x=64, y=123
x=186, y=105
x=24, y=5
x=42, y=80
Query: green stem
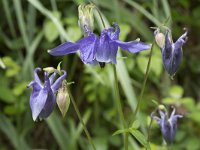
x=101, y=17
x=119, y=108
x=144, y=84
x=148, y=132
x=81, y=120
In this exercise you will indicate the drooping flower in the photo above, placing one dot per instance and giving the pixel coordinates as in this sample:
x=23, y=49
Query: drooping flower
x=86, y=19
x=167, y=124
x=172, y=52
x=43, y=97
x=103, y=49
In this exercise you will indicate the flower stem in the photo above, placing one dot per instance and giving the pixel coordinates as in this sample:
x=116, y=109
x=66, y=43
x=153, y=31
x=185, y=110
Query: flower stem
x=144, y=85
x=81, y=120
x=101, y=17
x=148, y=132
x=119, y=108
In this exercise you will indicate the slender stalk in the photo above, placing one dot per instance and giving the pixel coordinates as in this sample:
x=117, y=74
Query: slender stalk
x=81, y=120
x=119, y=108
x=148, y=132
x=101, y=17
x=144, y=84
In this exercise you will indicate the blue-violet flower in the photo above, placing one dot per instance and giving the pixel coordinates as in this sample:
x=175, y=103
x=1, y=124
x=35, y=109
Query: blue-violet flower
x=43, y=97
x=102, y=49
x=172, y=52
x=167, y=124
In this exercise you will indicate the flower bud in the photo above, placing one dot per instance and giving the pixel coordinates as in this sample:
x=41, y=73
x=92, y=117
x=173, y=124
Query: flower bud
x=63, y=99
x=160, y=38
x=49, y=70
x=86, y=19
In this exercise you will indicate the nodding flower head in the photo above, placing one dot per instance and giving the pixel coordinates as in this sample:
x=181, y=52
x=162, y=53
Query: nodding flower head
x=171, y=52
x=94, y=50
x=43, y=97
x=167, y=124
x=86, y=20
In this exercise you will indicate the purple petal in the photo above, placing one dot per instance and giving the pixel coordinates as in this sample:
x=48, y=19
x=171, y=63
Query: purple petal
x=36, y=78
x=181, y=40
x=52, y=77
x=49, y=105
x=37, y=102
x=167, y=49
x=107, y=49
x=88, y=47
x=173, y=118
x=133, y=46
x=115, y=35
x=58, y=82
x=167, y=55
x=64, y=49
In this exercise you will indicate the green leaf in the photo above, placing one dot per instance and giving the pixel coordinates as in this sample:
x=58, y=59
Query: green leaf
x=136, y=124
x=120, y=131
x=140, y=137
x=12, y=67
x=169, y=101
x=6, y=95
x=50, y=31
x=188, y=102
x=176, y=92
x=74, y=29
x=19, y=88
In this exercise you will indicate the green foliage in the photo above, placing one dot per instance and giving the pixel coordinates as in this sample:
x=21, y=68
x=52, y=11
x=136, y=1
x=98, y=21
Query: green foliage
x=30, y=28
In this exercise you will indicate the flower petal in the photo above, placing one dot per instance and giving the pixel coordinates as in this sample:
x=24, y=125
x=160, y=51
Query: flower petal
x=36, y=78
x=133, y=46
x=49, y=105
x=167, y=50
x=88, y=47
x=64, y=49
x=181, y=40
x=115, y=35
x=37, y=102
x=58, y=82
x=51, y=78
x=107, y=49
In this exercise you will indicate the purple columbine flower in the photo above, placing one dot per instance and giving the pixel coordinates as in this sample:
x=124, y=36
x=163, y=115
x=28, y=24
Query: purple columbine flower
x=102, y=49
x=168, y=125
x=43, y=99
x=172, y=52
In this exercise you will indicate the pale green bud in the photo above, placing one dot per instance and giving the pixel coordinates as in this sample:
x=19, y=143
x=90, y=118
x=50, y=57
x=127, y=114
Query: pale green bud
x=160, y=39
x=63, y=99
x=162, y=107
x=49, y=70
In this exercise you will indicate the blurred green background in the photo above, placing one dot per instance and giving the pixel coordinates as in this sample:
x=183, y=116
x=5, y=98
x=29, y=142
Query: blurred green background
x=29, y=28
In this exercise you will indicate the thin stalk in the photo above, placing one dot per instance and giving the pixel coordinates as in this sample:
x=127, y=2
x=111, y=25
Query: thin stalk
x=144, y=84
x=119, y=107
x=101, y=17
x=148, y=132
x=81, y=120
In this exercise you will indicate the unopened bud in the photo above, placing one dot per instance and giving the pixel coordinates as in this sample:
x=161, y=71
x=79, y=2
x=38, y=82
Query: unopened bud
x=63, y=99
x=49, y=70
x=160, y=39
x=86, y=19
x=162, y=107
